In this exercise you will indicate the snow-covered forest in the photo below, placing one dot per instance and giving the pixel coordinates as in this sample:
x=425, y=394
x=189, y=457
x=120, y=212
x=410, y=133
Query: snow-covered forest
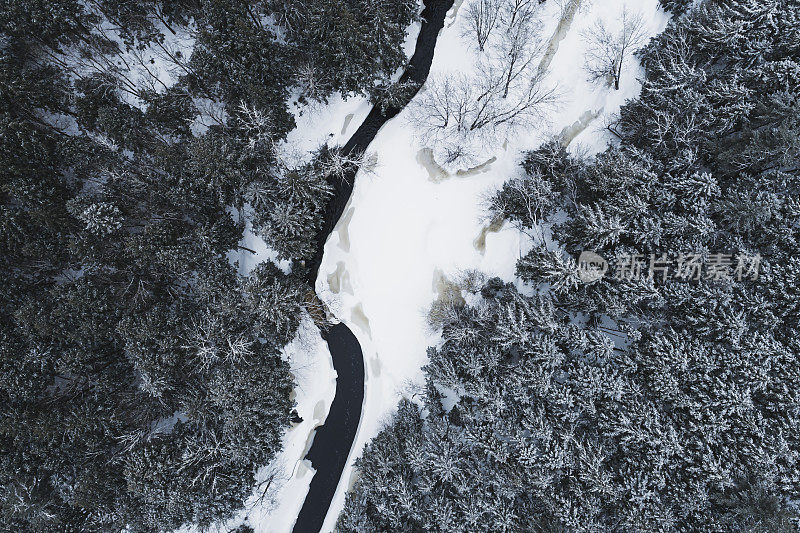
x=566, y=253
x=145, y=377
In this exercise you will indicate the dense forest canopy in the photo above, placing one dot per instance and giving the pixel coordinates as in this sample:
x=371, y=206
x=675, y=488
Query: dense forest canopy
x=141, y=382
x=630, y=403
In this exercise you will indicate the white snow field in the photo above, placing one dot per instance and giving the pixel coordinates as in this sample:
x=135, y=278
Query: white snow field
x=408, y=223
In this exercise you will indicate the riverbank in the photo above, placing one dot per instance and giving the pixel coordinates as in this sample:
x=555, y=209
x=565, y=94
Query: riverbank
x=333, y=442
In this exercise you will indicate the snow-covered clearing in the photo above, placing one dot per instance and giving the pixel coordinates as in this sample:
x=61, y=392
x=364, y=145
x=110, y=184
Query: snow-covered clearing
x=156, y=67
x=410, y=224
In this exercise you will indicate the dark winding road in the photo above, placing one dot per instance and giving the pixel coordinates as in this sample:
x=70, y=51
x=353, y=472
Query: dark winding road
x=332, y=441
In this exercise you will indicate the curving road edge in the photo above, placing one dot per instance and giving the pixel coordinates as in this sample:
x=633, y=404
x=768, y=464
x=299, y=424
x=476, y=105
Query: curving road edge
x=333, y=441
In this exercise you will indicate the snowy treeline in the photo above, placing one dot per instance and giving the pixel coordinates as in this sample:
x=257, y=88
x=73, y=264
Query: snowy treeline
x=643, y=403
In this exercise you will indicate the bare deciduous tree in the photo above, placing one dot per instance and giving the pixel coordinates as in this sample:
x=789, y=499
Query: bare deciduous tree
x=259, y=127
x=457, y=111
x=526, y=202
x=519, y=44
x=568, y=8
x=313, y=81
x=338, y=164
x=481, y=17
x=608, y=50
x=460, y=116
x=515, y=10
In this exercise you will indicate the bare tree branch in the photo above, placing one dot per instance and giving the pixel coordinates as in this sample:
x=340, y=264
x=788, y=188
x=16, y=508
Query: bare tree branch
x=607, y=50
x=481, y=17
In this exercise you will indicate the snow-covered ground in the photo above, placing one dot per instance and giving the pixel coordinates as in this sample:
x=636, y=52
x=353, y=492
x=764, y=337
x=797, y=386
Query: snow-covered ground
x=409, y=224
